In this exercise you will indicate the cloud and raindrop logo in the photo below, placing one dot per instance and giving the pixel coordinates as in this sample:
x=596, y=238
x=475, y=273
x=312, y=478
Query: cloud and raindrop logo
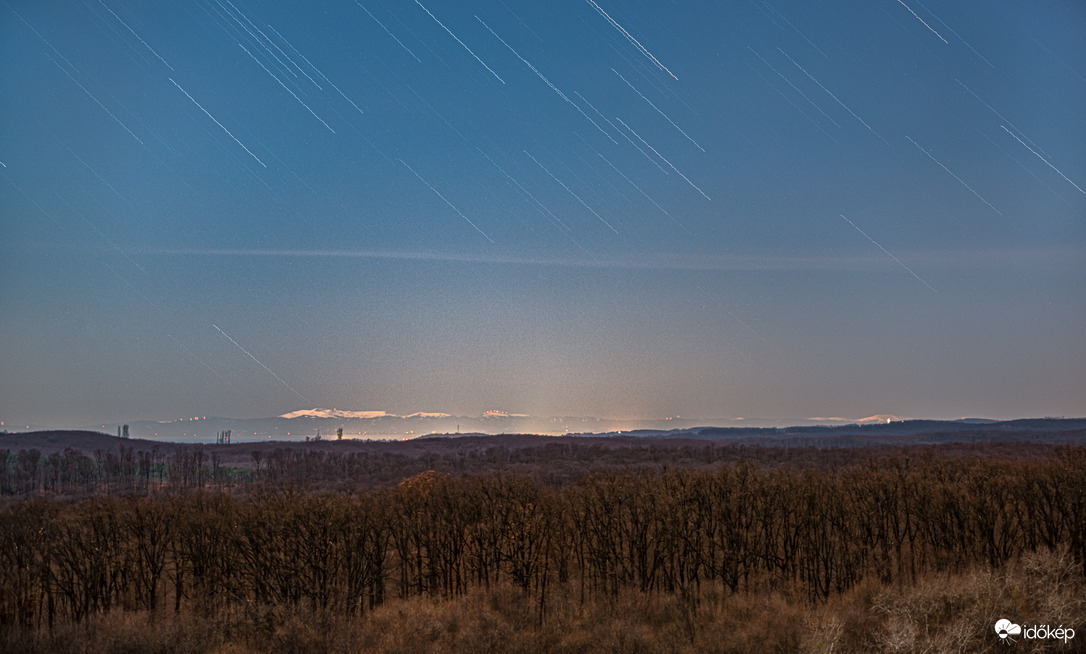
x=1006, y=630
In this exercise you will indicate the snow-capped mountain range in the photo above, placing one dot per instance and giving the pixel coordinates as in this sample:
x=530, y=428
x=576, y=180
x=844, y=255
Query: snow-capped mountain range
x=360, y=415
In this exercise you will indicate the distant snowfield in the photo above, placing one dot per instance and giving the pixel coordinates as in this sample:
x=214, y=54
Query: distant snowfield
x=361, y=415
x=337, y=413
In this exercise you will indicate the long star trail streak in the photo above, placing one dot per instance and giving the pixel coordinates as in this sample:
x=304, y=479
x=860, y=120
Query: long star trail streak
x=459, y=41
x=547, y=213
x=1001, y=116
x=646, y=154
x=273, y=43
x=1057, y=58
x=593, y=165
x=43, y=39
x=438, y=114
x=333, y=85
x=789, y=101
x=135, y=35
x=261, y=43
x=564, y=228
x=605, y=118
x=547, y=81
x=387, y=31
x=1044, y=160
x=415, y=36
x=774, y=10
x=570, y=191
x=33, y=201
x=869, y=128
x=99, y=102
x=525, y=61
x=960, y=181
x=286, y=88
x=94, y=228
x=218, y=123
x=94, y=172
x=887, y=252
x=757, y=4
x=316, y=70
x=520, y=21
x=451, y=205
x=658, y=110
x=647, y=196
x=261, y=364
x=632, y=40
x=794, y=87
x=958, y=36
x=922, y=21
x=696, y=188
x=1023, y=167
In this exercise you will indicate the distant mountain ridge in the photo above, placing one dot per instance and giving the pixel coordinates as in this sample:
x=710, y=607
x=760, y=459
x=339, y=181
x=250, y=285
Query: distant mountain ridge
x=298, y=425
x=915, y=430
x=1020, y=435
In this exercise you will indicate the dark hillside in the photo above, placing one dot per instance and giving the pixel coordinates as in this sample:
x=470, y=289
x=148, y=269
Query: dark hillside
x=75, y=463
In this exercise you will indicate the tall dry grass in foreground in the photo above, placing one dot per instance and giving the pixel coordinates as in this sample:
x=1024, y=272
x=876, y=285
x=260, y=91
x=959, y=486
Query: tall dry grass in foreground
x=940, y=613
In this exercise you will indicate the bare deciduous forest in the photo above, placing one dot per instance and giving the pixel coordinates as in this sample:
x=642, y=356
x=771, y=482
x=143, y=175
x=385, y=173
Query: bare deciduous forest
x=700, y=548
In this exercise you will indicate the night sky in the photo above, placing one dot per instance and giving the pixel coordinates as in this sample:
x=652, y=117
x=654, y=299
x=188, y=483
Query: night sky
x=625, y=209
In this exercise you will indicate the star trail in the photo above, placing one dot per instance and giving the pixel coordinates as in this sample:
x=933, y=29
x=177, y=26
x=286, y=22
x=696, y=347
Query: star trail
x=623, y=210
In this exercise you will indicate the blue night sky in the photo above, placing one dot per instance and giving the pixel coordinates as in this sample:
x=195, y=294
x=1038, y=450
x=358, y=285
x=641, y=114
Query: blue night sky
x=624, y=209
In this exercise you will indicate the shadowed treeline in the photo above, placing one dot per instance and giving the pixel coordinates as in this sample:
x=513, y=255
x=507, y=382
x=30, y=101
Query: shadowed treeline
x=79, y=464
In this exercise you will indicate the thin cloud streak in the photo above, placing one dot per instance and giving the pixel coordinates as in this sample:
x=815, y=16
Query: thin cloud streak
x=678, y=262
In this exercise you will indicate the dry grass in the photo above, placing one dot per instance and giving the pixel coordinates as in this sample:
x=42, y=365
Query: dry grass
x=941, y=613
